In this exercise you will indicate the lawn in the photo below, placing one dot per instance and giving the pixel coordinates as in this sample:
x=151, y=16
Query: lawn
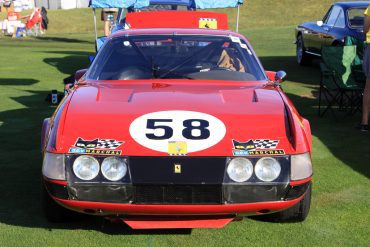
x=31, y=67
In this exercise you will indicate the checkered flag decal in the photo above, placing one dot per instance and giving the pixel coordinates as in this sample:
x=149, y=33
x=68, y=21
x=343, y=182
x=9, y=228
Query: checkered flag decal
x=108, y=144
x=266, y=144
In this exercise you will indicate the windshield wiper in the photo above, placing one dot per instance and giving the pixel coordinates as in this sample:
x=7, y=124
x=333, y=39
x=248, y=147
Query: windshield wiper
x=154, y=68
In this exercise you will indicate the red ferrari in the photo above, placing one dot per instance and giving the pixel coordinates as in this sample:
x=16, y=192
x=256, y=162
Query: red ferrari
x=177, y=128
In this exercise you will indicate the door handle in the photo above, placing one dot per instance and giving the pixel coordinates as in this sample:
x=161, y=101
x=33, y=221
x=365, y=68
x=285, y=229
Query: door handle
x=326, y=28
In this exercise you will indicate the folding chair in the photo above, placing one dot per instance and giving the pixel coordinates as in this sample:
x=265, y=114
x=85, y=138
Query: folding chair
x=358, y=73
x=338, y=85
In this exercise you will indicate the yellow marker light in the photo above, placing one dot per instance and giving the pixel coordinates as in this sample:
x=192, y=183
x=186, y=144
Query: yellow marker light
x=177, y=148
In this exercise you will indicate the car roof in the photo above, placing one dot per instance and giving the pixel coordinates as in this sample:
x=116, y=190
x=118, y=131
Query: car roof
x=353, y=4
x=169, y=31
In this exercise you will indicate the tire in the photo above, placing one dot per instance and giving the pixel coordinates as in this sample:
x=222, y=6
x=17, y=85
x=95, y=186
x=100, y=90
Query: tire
x=54, y=212
x=302, y=57
x=296, y=213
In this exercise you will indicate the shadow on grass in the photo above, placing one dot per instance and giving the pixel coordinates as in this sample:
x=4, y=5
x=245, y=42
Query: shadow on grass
x=17, y=82
x=64, y=40
x=67, y=64
x=295, y=72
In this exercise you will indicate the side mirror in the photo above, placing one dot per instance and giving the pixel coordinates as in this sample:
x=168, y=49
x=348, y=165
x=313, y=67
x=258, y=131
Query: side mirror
x=79, y=74
x=319, y=23
x=280, y=76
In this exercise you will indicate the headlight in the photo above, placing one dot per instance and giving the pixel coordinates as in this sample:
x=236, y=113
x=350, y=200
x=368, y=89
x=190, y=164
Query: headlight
x=86, y=167
x=113, y=168
x=240, y=169
x=267, y=169
x=301, y=166
x=53, y=166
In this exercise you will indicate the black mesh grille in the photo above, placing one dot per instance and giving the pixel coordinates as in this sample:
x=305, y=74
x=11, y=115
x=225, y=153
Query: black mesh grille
x=178, y=194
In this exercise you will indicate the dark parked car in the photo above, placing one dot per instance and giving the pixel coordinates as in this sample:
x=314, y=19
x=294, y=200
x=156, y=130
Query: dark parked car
x=343, y=19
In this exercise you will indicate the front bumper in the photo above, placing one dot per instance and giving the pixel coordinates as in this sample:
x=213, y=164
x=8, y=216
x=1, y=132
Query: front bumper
x=59, y=191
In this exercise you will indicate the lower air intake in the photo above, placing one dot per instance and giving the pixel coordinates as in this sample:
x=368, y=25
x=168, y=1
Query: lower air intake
x=178, y=194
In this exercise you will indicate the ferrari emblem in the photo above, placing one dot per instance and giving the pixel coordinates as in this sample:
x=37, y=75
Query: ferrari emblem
x=177, y=168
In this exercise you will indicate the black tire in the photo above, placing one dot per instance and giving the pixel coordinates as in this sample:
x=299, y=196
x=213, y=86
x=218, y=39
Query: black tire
x=54, y=212
x=297, y=213
x=302, y=57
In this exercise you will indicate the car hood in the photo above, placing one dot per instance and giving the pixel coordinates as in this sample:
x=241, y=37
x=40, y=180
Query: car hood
x=112, y=110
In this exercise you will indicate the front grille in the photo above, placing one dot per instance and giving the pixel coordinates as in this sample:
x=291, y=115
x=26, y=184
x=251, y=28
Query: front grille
x=178, y=194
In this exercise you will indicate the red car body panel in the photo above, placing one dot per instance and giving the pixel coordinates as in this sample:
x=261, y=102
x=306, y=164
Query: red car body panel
x=177, y=222
x=169, y=19
x=165, y=210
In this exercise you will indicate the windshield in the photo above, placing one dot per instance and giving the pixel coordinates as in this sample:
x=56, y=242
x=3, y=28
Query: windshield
x=356, y=17
x=176, y=57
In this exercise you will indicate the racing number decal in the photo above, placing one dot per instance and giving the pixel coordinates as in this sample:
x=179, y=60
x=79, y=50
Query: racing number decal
x=158, y=130
x=152, y=124
x=188, y=131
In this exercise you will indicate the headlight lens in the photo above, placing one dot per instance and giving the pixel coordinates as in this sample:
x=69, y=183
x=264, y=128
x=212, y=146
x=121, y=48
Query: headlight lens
x=267, y=169
x=240, y=169
x=113, y=168
x=86, y=167
x=53, y=166
x=301, y=166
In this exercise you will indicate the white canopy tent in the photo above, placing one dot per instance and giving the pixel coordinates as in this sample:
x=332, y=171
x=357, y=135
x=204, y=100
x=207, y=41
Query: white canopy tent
x=62, y=4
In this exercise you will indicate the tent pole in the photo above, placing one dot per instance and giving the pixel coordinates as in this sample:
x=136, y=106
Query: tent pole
x=96, y=30
x=237, y=19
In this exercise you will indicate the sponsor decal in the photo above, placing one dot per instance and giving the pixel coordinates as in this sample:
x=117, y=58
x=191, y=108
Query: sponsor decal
x=94, y=151
x=177, y=148
x=208, y=23
x=257, y=147
x=177, y=132
x=96, y=146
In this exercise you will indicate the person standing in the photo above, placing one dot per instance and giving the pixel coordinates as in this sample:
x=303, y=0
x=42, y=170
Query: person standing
x=364, y=125
x=108, y=15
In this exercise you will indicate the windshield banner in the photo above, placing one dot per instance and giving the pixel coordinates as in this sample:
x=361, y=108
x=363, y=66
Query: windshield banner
x=209, y=4
x=96, y=4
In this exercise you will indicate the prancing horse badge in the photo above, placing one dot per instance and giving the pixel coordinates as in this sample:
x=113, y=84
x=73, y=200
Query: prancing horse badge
x=177, y=168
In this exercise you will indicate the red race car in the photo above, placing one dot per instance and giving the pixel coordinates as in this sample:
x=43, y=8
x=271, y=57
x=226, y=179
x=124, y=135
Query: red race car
x=177, y=128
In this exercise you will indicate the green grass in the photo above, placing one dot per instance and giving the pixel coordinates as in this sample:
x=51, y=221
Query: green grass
x=30, y=68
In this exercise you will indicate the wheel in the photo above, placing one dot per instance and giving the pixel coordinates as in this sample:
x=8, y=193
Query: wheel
x=297, y=213
x=54, y=212
x=302, y=57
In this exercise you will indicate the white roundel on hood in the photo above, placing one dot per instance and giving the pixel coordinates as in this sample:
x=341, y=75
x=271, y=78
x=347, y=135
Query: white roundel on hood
x=177, y=132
